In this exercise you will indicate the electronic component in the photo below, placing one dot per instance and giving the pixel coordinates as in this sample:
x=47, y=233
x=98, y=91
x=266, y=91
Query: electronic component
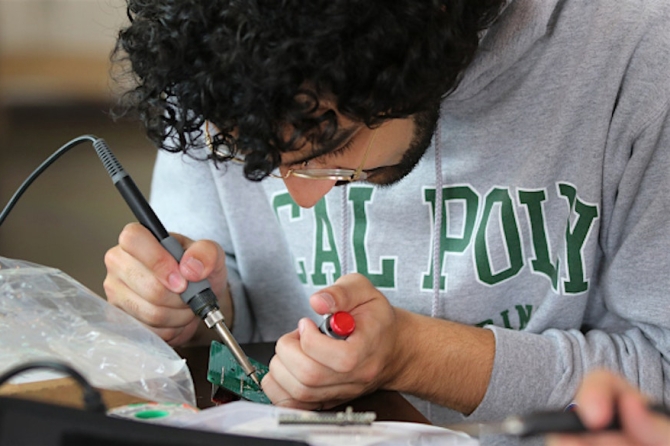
x=338, y=325
x=226, y=372
x=346, y=418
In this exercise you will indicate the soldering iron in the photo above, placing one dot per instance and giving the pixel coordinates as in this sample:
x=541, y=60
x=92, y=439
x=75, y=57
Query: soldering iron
x=198, y=295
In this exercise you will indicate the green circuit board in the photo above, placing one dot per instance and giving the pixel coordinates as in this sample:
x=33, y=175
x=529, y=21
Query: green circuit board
x=224, y=371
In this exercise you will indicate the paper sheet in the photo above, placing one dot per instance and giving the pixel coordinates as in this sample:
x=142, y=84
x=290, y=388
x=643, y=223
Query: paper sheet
x=260, y=420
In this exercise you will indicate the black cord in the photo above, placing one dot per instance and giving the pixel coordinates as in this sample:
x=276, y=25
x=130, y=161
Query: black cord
x=40, y=169
x=92, y=398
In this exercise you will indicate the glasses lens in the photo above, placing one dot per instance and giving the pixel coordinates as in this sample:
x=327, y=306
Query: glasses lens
x=328, y=174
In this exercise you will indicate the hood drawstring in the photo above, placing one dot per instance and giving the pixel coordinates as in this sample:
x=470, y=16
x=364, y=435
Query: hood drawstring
x=437, y=223
x=437, y=226
x=345, y=229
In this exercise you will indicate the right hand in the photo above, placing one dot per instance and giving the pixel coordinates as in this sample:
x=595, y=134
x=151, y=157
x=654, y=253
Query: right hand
x=145, y=281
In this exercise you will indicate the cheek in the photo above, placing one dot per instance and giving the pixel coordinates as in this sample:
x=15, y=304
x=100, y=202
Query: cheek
x=394, y=138
x=306, y=193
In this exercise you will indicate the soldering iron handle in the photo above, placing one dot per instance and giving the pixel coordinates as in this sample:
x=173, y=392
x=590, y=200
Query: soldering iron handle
x=148, y=218
x=198, y=295
x=569, y=421
x=543, y=422
x=174, y=247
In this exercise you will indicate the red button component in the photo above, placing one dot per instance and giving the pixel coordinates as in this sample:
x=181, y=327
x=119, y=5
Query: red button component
x=342, y=323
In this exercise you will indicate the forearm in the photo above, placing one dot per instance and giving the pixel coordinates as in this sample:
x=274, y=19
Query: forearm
x=541, y=371
x=441, y=361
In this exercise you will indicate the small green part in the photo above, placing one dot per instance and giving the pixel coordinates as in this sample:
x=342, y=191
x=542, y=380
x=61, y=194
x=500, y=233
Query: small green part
x=224, y=371
x=151, y=414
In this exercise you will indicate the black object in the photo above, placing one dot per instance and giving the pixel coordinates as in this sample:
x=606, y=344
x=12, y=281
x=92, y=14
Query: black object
x=31, y=423
x=198, y=295
x=539, y=423
x=41, y=168
x=567, y=422
x=91, y=396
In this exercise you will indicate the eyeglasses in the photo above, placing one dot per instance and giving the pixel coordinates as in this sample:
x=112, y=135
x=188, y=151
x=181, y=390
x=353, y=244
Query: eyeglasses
x=304, y=171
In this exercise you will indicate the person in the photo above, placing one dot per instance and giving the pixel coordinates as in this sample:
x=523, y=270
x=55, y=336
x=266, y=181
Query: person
x=601, y=395
x=481, y=184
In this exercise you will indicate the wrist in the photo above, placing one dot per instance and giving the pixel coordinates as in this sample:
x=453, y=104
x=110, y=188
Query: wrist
x=403, y=353
x=441, y=361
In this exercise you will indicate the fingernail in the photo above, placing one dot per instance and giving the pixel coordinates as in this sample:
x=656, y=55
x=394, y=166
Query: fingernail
x=176, y=282
x=327, y=299
x=195, y=266
x=301, y=326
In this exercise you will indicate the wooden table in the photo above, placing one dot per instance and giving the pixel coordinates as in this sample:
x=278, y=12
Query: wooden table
x=388, y=405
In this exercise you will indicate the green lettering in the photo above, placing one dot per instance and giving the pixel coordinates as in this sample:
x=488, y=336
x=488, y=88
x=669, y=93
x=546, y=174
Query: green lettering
x=486, y=322
x=302, y=272
x=524, y=315
x=505, y=317
x=326, y=258
x=450, y=243
x=386, y=279
x=541, y=263
x=575, y=238
x=511, y=237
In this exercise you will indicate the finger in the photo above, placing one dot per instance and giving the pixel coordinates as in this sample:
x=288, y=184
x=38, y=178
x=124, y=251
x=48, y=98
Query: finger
x=322, y=359
x=293, y=393
x=177, y=336
x=288, y=351
x=281, y=397
x=338, y=356
x=120, y=295
x=347, y=293
x=126, y=273
x=149, y=315
x=202, y=259
x=600, y=439
x=137, y=241
x=597, y=398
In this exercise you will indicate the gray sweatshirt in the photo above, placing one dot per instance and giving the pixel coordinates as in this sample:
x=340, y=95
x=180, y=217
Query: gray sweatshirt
x=544, y=200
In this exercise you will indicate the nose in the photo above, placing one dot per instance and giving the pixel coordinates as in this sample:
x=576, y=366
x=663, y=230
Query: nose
x=307, y=192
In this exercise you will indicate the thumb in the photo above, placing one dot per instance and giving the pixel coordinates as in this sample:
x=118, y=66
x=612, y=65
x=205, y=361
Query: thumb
x=347, y=293
x=201, y=259
x=323, y=302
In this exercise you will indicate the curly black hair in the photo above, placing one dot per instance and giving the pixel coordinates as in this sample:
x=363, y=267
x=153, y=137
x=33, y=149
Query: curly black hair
x=257, y=67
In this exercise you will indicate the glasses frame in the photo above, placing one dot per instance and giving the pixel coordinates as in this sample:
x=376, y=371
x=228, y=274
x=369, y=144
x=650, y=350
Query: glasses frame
x=348, y=175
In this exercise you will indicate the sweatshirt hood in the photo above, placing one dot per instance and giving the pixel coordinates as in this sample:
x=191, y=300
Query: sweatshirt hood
x=514, y=32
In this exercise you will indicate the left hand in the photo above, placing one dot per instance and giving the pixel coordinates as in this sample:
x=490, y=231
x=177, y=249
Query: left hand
x=313, y=371
x=601, y=395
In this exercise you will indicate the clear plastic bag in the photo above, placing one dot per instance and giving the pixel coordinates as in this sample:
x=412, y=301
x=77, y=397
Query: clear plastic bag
x=46, y=314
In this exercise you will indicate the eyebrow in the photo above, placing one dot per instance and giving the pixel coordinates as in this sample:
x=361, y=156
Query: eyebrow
x=335, y=142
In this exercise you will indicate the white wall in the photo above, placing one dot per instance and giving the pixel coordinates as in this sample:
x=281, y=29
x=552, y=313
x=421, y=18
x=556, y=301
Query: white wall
x=57, y=50
x=86, y=27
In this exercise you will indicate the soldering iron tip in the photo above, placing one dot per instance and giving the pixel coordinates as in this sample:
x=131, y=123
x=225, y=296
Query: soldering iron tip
x=255, y=379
